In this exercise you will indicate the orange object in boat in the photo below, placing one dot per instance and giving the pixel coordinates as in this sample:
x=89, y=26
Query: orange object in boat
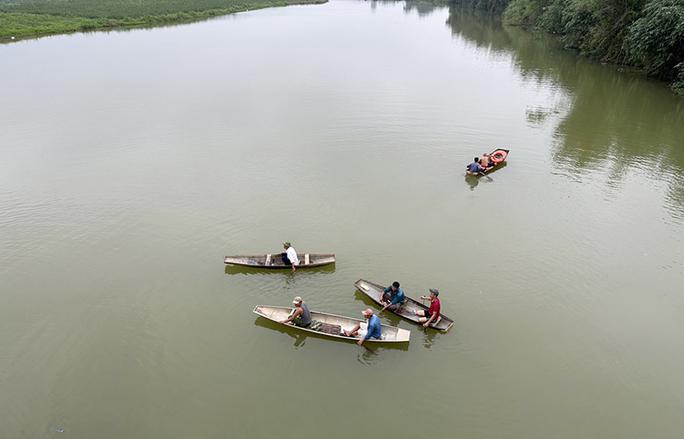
x=499, y=155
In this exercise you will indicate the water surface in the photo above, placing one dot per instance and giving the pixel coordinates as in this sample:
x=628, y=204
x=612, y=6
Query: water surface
x=132, y=162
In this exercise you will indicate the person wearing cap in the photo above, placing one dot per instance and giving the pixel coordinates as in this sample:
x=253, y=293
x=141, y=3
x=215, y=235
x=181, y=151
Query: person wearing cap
x=290, y=255
x=300, y=315
x=432, y=314
x=373, y=328
x=394, y=297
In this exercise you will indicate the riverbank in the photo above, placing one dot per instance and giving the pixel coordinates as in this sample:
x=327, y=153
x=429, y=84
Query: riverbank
x=646, y=34
x=43, y=17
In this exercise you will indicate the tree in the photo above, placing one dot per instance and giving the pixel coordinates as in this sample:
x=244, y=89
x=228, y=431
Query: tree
x=656, y=40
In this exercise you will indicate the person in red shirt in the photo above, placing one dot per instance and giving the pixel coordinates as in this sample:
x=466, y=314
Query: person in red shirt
x=430, y=316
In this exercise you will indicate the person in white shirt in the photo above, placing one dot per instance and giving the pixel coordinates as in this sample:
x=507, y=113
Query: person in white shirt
x=290, y=256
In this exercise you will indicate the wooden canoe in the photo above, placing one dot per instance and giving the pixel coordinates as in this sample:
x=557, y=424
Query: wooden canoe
x=491, y=169
x=275, y=261
x=375, y=292
x=332, y=324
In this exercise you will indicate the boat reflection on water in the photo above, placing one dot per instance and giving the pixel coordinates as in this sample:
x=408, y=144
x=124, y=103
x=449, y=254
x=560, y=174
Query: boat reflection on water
x=429, y=338
x=474, y=180
x=299, y=336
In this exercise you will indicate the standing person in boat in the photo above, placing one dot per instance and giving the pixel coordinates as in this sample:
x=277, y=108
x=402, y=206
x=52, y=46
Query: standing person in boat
x=373, y=329
x=300, y=316
x=430, y=316
x=475, y=168
x=290, y=256
x=394, y=297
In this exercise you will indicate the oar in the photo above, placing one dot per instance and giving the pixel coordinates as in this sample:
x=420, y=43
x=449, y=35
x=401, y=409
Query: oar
x=384, y=307
x=382, y=295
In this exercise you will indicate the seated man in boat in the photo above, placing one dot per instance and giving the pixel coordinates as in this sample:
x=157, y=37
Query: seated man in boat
x=430, y=316
x=394, y=297
x=475, y=168
x=486, y=161
x=300, y=316
x=290, y=256
x=373, y=329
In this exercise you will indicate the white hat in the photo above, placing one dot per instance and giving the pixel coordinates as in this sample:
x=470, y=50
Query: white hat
x=297, y=300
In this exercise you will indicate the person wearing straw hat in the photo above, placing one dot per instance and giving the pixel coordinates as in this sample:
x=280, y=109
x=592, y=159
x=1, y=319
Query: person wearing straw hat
x=373, y=328
x=300, y=315
x=431, y=315
x=290, y=255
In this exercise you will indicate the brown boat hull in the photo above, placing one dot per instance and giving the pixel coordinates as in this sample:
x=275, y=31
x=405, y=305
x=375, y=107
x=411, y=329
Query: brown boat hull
x=277, y=314
x=491, y=169
x=375, y=291
x=273, y=261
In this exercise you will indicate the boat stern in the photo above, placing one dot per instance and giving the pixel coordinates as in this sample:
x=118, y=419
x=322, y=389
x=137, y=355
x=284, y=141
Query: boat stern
x=403, y=335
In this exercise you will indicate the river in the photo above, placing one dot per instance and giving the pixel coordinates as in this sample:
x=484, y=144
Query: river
x=131, y=162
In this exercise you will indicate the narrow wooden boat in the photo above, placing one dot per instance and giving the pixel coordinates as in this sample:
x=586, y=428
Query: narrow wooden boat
x=275, y=261
x=331, y=325
x=408, y=311
x=499, y=156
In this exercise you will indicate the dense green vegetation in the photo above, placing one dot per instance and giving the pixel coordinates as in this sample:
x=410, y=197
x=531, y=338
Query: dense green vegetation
x=27, y=18
x=648, y=34
x=493, y=7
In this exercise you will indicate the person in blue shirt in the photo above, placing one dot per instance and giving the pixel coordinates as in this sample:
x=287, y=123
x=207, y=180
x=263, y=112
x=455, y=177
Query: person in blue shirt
x=475, y=168
x=373, y=328
x=394, y=297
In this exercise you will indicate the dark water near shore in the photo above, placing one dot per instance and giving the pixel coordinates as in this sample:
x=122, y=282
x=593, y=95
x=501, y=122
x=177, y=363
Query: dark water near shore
x=132, y=162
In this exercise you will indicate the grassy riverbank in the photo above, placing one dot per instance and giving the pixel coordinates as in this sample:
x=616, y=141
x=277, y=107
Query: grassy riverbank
x=33, y=18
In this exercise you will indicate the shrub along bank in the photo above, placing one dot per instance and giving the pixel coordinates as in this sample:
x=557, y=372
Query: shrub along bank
x=648, y=34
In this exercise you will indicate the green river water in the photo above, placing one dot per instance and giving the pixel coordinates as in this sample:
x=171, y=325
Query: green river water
x=132, y=162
